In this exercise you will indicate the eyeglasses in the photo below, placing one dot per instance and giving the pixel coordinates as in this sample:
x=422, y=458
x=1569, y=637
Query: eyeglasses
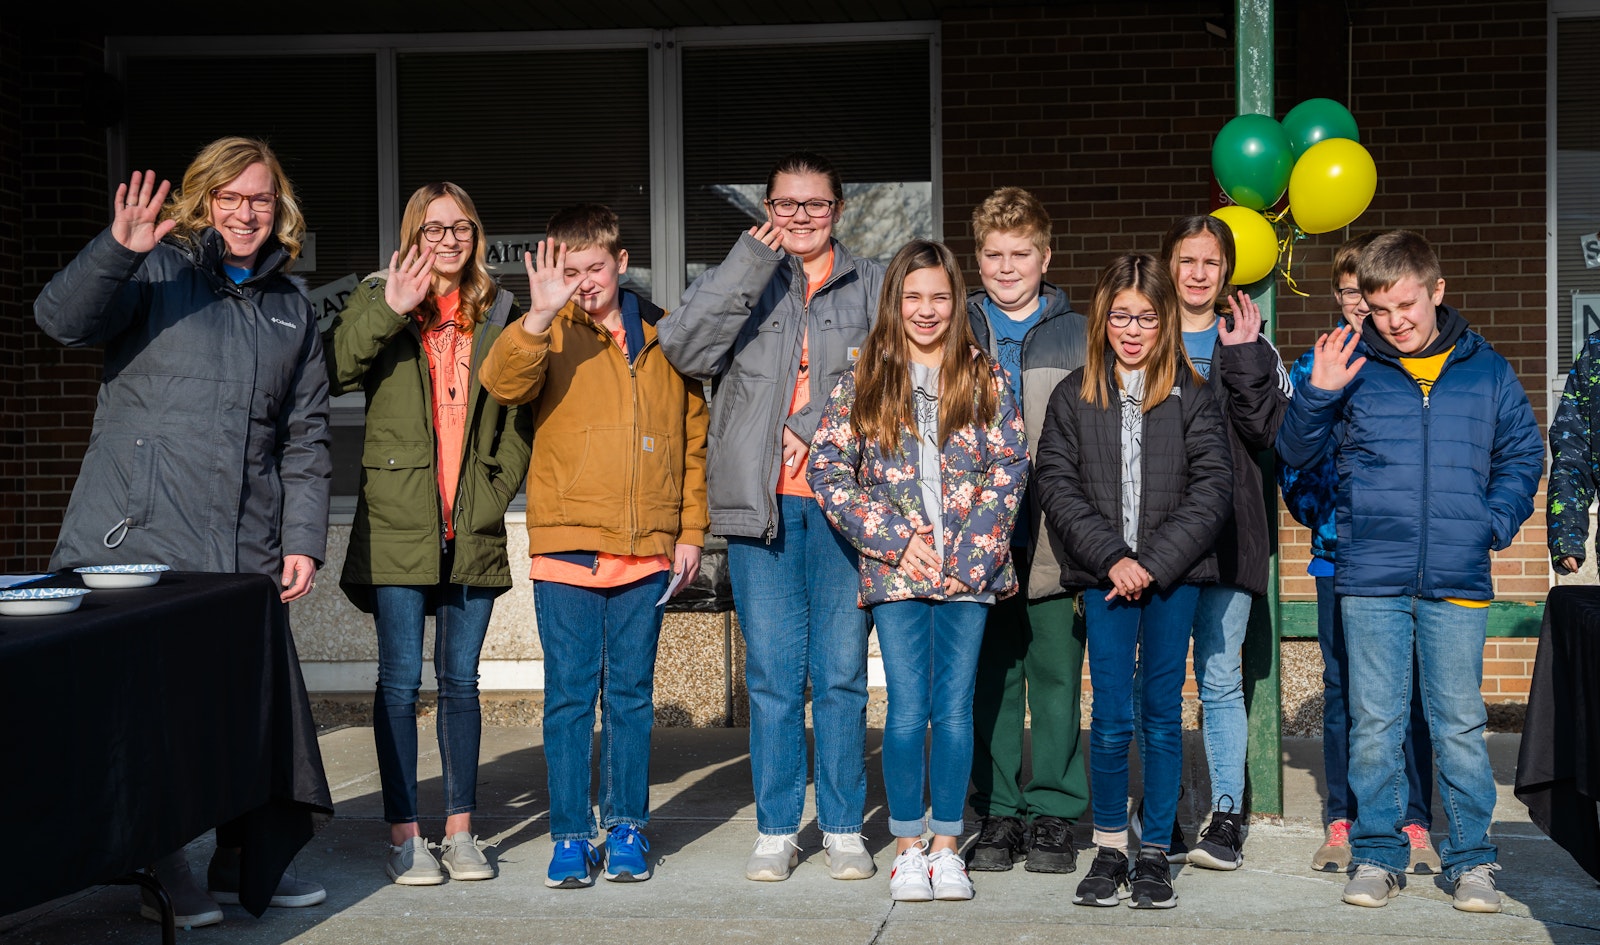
x=260, y=203
x=1349, y=296
x=816, y=207
x=434, y=232
x=1124, y=319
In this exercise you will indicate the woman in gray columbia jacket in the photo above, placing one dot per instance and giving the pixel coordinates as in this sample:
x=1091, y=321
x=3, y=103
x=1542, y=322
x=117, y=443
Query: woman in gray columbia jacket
x=210, y=443
x=774, y=327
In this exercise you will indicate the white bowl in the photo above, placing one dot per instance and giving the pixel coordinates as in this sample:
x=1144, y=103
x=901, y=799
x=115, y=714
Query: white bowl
x=121, y=575
x=39, y=601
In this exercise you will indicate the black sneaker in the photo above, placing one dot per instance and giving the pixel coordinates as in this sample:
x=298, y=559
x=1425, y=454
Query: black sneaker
x=1050, y=847
x=1221, y=846
x=1177, y=847
x=1152, y=881
x=1107, y=882
x=1001, y=842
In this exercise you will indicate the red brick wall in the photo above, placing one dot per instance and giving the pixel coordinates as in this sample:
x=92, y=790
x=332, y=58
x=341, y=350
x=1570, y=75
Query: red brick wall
x=63, y=202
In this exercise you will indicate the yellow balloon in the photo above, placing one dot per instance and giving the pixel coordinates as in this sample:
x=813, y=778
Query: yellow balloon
x=1255, y=244
x=1332, y=184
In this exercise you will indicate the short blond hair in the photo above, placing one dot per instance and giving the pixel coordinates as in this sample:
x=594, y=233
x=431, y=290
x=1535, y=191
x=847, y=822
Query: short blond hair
x=583, y=225
x=1011, y=210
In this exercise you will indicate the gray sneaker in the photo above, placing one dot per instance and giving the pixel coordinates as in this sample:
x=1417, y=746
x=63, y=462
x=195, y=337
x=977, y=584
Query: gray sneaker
x=847, y=856
x=1475, y=890
x=191, y=907
x=1372, y=886
x=461, y=858
x=222, y=876
x=774, y=856
x=410, y=864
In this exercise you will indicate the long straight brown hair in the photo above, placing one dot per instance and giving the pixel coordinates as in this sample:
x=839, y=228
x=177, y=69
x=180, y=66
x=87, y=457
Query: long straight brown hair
x=477, y=286
x=883, y=404
x=1141, y=273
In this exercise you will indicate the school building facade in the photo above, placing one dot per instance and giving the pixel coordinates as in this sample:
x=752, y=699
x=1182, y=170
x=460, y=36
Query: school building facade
x=1481, y=117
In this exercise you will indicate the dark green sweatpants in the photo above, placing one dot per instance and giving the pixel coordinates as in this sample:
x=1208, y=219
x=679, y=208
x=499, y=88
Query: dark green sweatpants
x=1031, y=651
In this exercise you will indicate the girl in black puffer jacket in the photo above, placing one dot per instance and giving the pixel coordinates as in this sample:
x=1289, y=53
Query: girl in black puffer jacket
x=1133, y=474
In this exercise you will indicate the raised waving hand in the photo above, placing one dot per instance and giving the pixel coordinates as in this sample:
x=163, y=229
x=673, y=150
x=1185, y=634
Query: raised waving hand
x=1331, y=367
x=136, y=216
x=768, y=234
x=409, y=279
x=550, y=287
x=1245, y=325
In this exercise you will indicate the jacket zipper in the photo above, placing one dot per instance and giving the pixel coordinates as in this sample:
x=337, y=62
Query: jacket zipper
x=1422, y=538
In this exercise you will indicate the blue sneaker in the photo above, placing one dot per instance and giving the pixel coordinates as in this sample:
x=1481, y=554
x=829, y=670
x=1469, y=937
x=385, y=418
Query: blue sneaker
x=625, y=855
x=572, y=866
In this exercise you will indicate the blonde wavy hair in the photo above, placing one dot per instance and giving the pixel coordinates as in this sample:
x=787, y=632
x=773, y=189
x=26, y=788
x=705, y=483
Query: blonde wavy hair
x=478, y=288
x=218, y=164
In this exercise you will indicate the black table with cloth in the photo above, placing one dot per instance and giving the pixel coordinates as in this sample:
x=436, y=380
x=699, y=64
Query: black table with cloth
x=1558, y=765
x=148, y=716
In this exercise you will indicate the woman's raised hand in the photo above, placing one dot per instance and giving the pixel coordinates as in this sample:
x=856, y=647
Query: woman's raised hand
x=1331, y=367
x=409, y=279
x=550, y=288
x=136, y=218
x=771, y=236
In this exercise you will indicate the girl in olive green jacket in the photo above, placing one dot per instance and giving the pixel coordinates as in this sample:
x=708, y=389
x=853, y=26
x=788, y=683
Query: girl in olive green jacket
x=440, y=464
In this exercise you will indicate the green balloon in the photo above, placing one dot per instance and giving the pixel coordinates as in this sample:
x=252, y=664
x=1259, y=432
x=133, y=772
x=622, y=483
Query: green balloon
x=1252, y=160
x=1318, y=119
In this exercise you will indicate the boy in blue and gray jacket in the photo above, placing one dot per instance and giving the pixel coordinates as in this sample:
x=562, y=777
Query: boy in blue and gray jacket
x=1438, y=459
x=1310, y=494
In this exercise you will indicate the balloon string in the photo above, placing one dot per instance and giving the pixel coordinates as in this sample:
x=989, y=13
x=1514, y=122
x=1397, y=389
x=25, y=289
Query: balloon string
x=1287, y=249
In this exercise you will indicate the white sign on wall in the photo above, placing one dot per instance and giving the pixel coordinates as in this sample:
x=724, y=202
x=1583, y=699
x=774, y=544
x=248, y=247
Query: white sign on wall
x=503, y=254
x=328, y=300
x=1585, y=318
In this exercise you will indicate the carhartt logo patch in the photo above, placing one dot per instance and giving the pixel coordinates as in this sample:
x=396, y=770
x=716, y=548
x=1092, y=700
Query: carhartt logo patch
x=855, y=355
x=648, y=444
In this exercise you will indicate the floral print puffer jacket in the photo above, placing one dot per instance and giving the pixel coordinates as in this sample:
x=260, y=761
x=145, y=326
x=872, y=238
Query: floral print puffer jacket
x=872, y=496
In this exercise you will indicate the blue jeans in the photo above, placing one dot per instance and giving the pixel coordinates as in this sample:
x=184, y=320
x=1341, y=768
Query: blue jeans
x=1221, y=617
x=1150, y=635
x=1336, y=723
x=460, y=622
x=930, y=664
x=599, y=645
x=1388, y=639
x=796, y=599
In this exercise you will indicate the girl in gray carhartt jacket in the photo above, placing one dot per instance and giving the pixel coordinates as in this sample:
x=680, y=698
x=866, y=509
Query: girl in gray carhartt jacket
x=774, y=327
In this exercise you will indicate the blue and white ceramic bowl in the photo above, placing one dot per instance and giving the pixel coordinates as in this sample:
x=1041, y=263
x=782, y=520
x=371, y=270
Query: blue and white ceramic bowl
x=39, y=601
x=121, y=575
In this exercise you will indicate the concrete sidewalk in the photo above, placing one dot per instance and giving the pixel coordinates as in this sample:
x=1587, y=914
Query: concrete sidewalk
x=704, y=822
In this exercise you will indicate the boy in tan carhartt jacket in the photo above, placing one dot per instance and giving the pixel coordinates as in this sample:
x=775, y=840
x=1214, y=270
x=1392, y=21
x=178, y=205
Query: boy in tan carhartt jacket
x=616, y=513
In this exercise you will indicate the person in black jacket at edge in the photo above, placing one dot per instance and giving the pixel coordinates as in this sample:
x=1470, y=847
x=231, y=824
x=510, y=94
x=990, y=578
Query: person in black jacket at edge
x=210, y=449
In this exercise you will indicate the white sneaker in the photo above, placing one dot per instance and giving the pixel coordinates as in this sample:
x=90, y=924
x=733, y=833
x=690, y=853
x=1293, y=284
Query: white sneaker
x=949, y=876
x=773, y=858
x=910, y=879
x=847, y=856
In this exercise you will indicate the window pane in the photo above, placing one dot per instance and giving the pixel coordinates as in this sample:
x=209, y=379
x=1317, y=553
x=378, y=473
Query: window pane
x=867, y=107
x=527, y=133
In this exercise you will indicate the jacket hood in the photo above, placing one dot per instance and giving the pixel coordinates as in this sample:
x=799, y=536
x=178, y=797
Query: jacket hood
x=1055, y=301
x=1452, y=325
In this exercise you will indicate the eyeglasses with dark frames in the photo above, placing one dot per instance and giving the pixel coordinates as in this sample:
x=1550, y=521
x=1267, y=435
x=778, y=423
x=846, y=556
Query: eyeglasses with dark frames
x=815, y=207
x=434, y=232
x=1124, y=319
x=260, y=203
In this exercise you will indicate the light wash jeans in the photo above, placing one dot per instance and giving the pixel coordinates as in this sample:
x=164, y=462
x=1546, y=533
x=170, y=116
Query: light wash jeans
x=1220, y=619
x=1381, y=635
x=599, y=645
x=930, y=664
x=796, y=600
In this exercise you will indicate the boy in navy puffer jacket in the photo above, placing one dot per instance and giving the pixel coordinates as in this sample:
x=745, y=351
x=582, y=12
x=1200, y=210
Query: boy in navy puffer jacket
x=1309, y=495
x=1438, y=459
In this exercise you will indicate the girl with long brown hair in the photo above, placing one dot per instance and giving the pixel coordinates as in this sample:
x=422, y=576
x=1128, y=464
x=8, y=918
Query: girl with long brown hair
x=1133, y=476
x=920, y=462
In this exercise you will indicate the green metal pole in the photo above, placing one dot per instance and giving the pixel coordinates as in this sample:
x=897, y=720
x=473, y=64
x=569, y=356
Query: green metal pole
x=1253, y=35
